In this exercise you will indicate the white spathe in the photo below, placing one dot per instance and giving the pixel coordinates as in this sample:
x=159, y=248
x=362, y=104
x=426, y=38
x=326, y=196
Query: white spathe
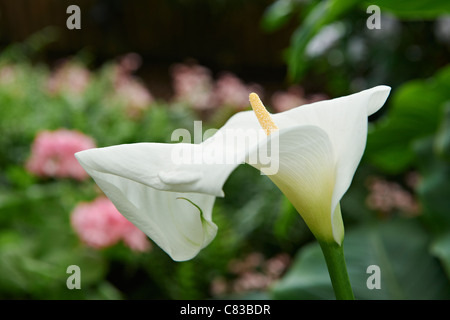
x=319, y=148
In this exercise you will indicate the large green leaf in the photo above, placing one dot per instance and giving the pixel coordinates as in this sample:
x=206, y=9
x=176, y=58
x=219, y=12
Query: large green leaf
x=415, y=111
x=433, y=186
x=398, y=247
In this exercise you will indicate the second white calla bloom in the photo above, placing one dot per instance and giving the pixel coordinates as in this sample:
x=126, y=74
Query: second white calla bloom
x=318, y=148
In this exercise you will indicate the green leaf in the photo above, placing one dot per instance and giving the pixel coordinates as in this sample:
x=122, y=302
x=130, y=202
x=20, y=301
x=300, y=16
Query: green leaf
x=433, y=186
x=277, y=14
x=441, y=249
x=324, y=13
x=418, y=9
x=399, y=248
x=415, y=110
x=442, y=142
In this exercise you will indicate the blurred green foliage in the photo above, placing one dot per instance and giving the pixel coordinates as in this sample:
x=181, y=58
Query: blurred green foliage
x=313, y=16
x=410, y=137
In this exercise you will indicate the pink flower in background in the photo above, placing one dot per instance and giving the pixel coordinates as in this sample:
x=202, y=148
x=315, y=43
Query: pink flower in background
x=128, y=89
x=69, y=77
x=232, y=91
x=97, y=223
x=134, y=95
x=193, y=84
x=134, y=238
x=293, y=97
x=252, y=273
x=130, y=62
x=52, y=154
x=387, y=196
x=100, y=225
x=8, y=74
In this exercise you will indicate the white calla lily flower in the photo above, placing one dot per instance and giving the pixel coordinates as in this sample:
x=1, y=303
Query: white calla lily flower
x=170, y=196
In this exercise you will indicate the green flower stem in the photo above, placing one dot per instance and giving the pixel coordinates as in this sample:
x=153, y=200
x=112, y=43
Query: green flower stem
x=334, y=257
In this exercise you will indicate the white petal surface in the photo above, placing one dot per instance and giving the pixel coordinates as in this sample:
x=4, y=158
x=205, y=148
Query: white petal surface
x=306, y=176
x=155, y=165
x=176, y=225
x=344, y=120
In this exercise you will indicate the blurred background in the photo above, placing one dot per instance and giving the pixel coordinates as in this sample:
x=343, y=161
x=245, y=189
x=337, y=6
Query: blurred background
x=137, y=70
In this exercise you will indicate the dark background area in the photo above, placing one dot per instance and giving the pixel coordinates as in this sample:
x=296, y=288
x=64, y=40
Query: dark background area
x=223, y=35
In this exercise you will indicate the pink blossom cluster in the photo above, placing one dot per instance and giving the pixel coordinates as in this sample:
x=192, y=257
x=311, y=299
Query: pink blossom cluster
x=194, y=84
x=252, y=273
x=232, y=91
x=69, y=77
x=52, y=154
x=135, y=96
x=293, y=97
x=128, y=89
x=8, y=74
x=100, y=225
x=387, y=196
